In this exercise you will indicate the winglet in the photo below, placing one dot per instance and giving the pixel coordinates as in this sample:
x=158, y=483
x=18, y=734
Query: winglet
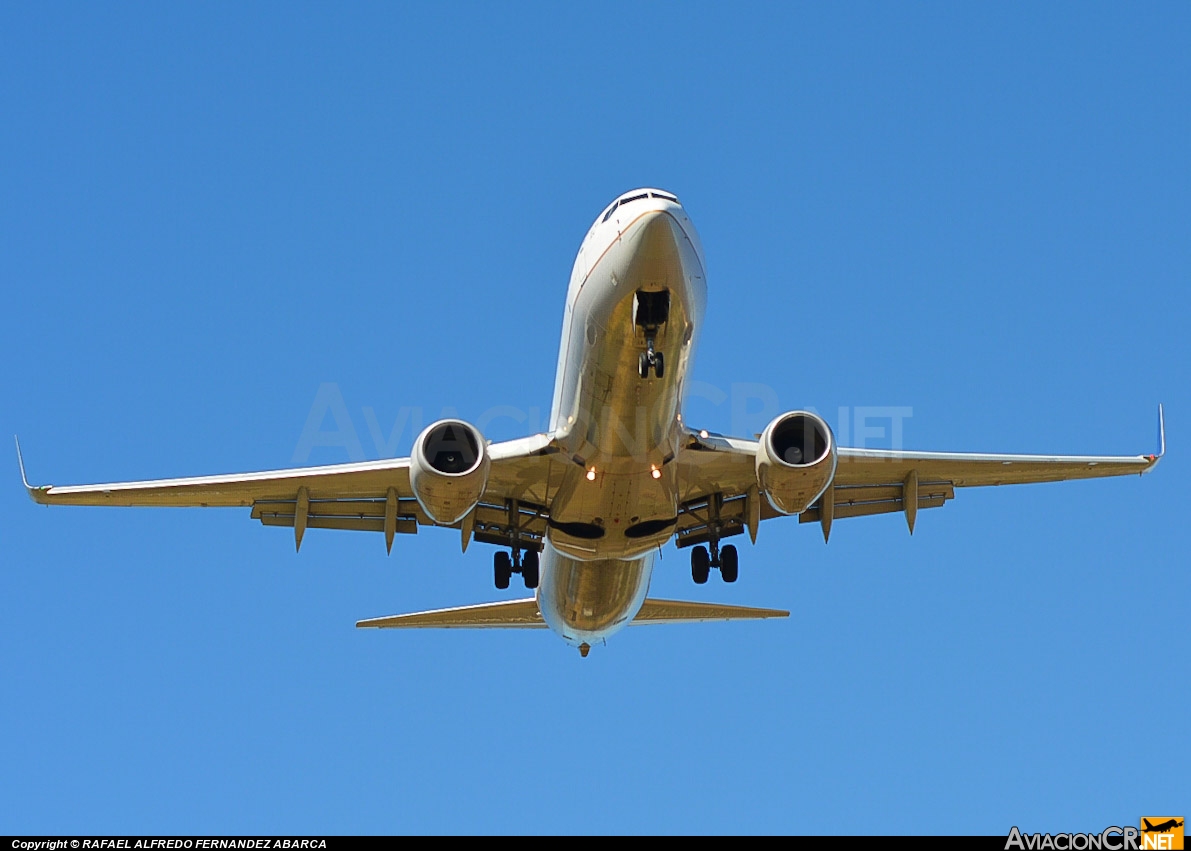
x=24, y=479
x=1154, y=459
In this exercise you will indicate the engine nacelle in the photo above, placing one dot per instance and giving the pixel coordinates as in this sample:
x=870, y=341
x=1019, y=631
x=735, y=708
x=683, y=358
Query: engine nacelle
x=795, y=461
x=448, y=470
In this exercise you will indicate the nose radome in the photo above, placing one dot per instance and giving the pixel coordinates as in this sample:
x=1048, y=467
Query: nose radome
x=655, y=234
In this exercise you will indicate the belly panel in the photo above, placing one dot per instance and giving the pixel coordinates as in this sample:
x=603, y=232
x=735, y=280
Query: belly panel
x=587, y=601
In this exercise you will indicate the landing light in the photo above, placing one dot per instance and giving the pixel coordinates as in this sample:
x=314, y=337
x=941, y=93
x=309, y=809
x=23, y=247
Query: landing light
x=655, y=472
x=591, y=475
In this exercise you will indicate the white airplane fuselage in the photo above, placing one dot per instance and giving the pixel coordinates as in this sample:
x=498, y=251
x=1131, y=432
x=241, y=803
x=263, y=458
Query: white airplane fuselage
x=617, y=503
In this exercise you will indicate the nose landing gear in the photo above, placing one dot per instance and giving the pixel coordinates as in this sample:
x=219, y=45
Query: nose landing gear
x=651, y=310
x=651, y=359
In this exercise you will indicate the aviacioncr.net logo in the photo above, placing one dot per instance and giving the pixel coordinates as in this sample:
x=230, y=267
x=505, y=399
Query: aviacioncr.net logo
x=1112, y=838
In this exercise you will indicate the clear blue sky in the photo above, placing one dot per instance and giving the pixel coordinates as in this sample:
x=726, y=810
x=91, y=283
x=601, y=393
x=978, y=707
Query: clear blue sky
x=980, y=213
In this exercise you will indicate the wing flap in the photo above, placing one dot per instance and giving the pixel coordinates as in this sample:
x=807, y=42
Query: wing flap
x=404, y=526
x=861, y=501
x=358, y=515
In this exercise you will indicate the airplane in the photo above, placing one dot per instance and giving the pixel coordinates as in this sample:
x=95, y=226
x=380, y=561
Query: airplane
x=1164, y=827
x=580, y=511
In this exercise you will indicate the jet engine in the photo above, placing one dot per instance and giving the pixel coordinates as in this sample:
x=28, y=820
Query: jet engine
x=448, y=470
x=796, y=461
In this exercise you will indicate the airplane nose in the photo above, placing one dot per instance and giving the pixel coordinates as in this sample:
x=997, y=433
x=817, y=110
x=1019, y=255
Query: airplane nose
x=655, y=235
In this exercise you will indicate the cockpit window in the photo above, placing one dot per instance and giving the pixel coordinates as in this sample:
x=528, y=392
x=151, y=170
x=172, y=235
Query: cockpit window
x=640, y=197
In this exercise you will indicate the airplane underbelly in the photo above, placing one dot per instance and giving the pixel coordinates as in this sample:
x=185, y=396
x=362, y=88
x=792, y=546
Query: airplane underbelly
x=587, y=601
x=619, y=510
x=621, y=429
x=604, y=406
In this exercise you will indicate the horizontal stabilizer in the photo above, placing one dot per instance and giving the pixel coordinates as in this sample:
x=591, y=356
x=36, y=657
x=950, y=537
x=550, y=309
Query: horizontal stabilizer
x=523, y=614
x=515, y=614
x=682, y=611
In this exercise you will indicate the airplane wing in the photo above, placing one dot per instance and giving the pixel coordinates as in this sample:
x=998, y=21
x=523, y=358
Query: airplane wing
x=367, y=496
x=719, y=486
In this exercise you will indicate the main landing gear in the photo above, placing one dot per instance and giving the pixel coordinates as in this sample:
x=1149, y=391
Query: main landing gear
x=516, y=559
x=505, y=565
x=726, y=560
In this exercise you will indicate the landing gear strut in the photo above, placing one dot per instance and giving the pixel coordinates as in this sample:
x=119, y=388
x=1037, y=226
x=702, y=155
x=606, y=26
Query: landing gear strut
x=702, y=560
